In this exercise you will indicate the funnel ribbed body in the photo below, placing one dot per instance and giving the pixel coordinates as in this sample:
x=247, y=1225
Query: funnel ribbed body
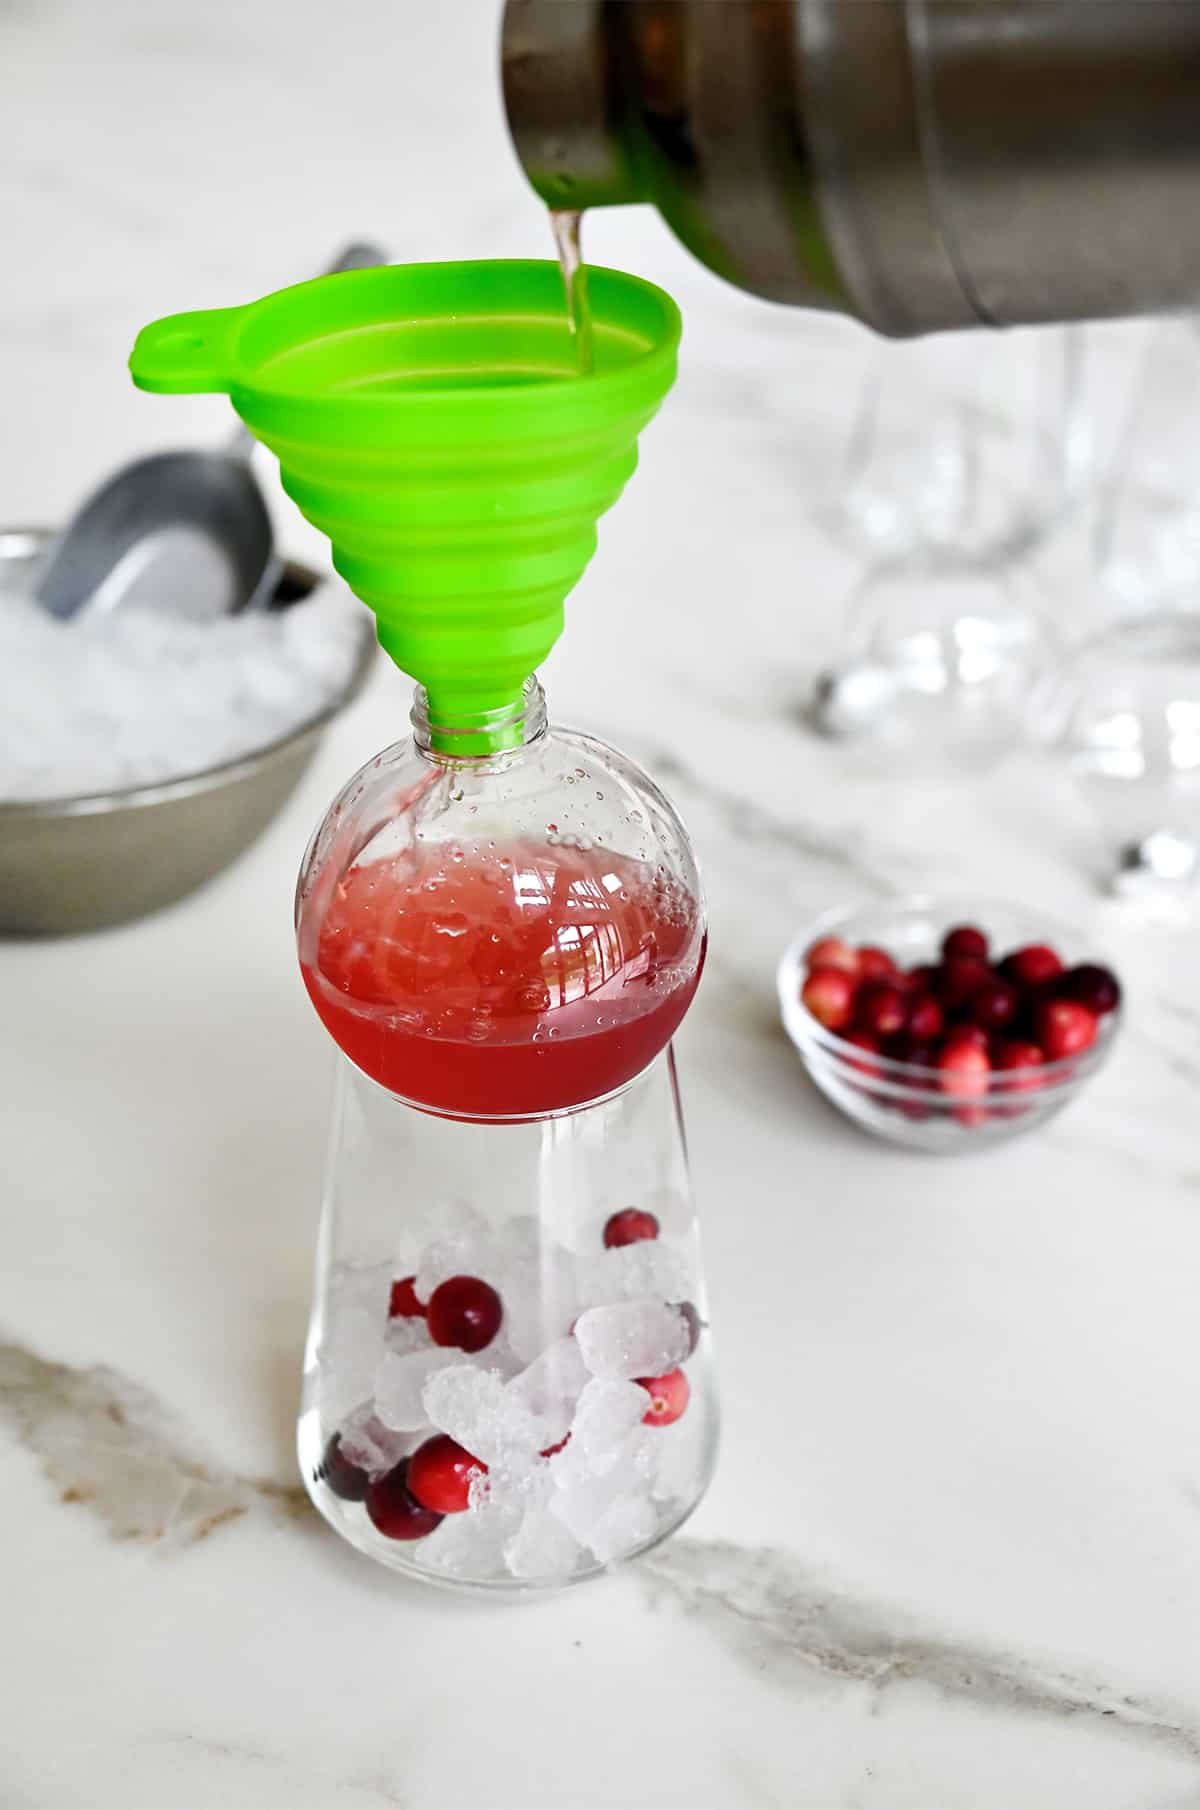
x=429, y=420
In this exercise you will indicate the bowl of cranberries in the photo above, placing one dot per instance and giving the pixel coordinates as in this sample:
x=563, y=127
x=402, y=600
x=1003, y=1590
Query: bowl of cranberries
x=942, y=1023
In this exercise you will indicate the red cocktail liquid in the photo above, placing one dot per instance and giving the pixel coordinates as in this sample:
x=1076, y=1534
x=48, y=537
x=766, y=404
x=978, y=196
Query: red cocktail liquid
x=507, y=984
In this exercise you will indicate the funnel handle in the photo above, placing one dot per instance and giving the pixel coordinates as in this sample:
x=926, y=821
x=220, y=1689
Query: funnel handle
x=183, y=353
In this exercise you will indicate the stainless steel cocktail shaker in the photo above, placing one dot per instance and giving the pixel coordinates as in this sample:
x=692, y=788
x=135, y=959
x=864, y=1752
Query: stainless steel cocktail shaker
x=917, y=163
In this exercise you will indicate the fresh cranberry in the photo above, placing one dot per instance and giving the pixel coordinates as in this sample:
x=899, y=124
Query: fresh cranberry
x=972, y=1036
x=1012, y=1055
x=1015, y=1061
x=920, y=978
x=668, y=1397
x=630, y=1226
x=868, y=1042
x=337, y=1473
x=464, y=1312
x=828, y=994
x=957, y=979
x=403, y=1304
x=690, y=1315
x=832, y=952
x=965, y=940
x=964, y=1067
x=925, y=1019
x=874, y=963
x=994, y=1004
x=880, y=1007
x=1031, y=966
x=919, y=1052
x=440, y=1473
x=394, y=1509
x=1065, y=1028
x=1092, y=986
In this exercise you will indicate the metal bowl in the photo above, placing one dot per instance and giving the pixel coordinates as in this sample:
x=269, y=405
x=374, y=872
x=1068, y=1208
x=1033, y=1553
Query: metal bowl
x=70, y=864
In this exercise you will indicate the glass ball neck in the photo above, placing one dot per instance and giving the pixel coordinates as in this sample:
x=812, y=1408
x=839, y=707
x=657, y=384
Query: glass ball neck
x=469, y=736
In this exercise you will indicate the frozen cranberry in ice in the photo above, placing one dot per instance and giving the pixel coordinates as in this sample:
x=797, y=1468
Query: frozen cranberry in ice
x=337, y=1473
x=465, y=1312
x=630, y=1226
x=403, y=1303
x=668, y=1397
x=395, y=1511
x=440, y=1473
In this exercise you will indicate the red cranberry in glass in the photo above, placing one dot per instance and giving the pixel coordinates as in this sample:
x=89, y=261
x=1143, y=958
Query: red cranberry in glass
x=1013, y=1055
x=1065, y=1028
x=440, y=1473
x=874, y=963
x=668, y=1397
x=832, y=952
x=870, y=1044
x=880, y=1008
x=957, y=979
x=337, y=1473
x=994, y=1004
x=629, y=1226
x=403, y=1303
x=689, y=1314
x=965, y=940
x=464, y=1312
x=964, y=1067
x=1092, y=986
x=920, y=978
x=395, y=1511
x=1032, y=966
x=919, y=1052
x=828, y=994
x=925, y=1018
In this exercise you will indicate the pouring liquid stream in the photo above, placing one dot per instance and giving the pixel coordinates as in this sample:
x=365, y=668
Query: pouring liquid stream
x=565, y=225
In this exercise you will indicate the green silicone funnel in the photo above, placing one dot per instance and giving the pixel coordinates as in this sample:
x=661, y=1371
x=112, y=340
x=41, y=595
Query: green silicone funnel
x=429, y=419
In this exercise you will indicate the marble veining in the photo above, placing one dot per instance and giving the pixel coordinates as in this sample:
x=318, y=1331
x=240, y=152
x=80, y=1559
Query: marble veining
x=789, y=1623
x=107, y=1445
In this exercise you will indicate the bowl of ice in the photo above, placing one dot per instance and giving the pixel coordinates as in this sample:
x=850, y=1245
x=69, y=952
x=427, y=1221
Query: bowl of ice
x=140, y=753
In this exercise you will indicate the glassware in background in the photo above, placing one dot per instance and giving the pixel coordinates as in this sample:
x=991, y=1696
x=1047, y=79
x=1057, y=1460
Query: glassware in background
x=942, y=662
x=507, y=1383
x=974, y=444
x=1128, y=715
x=1146, y=536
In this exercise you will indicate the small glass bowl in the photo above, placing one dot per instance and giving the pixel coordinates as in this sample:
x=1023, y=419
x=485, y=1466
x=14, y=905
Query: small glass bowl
x=907, y=1103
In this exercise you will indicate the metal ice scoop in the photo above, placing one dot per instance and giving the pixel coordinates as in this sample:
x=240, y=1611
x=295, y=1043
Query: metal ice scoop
x=186, y=532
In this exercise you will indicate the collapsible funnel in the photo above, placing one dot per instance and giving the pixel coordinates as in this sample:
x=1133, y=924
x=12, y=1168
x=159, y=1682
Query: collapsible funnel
x=430, y=420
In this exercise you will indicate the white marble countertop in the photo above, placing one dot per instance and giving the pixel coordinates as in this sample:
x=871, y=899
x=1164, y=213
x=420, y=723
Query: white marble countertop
x=951, y=1555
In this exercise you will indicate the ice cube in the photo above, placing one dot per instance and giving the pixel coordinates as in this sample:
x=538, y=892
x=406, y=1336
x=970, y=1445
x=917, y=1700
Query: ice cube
x=475, y=1408
x=400, y=1383
x=540, y=1299
x=676, y=1474
x=471, y=1545
x=463, y=1246
x=607, y=1414
x=407, y=1333
x=609, y=1514
x=363, y=1440
x=550, y=1388
x=652, y=1267
x=542, y=1548
x=633, y=1338
x=627, y=1524
x=351, y=1343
